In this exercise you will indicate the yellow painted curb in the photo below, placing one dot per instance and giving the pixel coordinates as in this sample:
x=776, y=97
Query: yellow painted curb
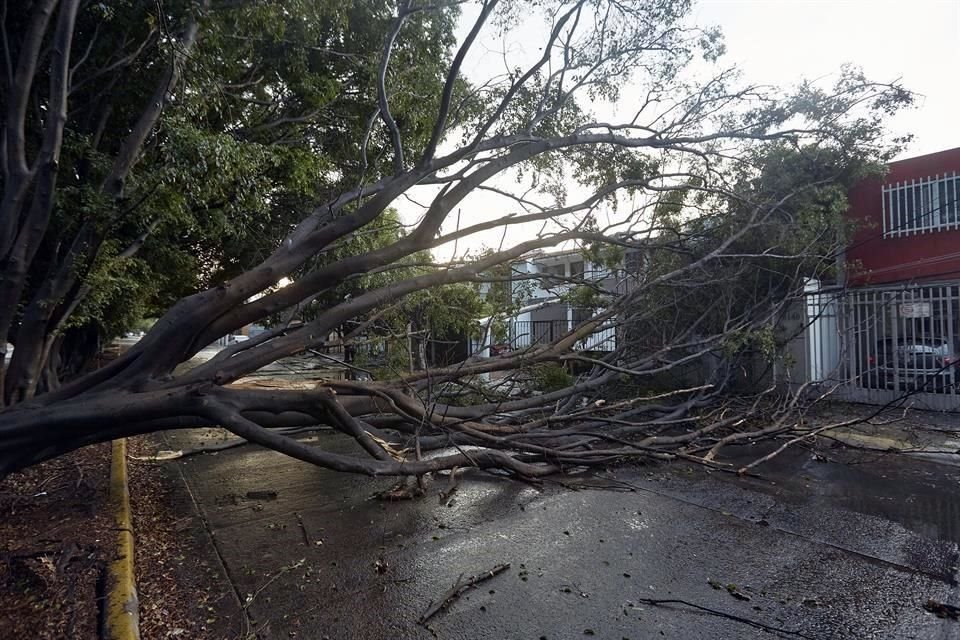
x=122, y=618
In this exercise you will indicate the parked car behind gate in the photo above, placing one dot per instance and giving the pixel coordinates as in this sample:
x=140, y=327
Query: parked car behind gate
x=927, y=364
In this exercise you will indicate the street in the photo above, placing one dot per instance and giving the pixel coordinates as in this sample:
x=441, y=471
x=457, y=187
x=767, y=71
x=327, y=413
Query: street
x=813, y=549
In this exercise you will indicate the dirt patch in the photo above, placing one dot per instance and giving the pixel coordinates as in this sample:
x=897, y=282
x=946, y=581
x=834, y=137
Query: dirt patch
x=55, y=539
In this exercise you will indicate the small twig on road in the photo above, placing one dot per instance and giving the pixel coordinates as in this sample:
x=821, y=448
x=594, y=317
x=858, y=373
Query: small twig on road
x=942, y=610
x=452, y=485
x=283, y=570
x=303, y=528
x=459, y=587
x=753, y=623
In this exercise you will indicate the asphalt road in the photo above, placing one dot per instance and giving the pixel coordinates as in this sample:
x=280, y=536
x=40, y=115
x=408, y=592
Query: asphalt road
x=813, y=549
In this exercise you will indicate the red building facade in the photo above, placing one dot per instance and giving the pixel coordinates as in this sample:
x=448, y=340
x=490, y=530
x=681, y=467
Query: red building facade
x=895, y=329
x=908, y=223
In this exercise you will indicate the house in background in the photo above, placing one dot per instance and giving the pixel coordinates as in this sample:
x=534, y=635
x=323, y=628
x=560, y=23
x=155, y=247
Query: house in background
x=908, y=223
x=539, y=283
x=893, y=325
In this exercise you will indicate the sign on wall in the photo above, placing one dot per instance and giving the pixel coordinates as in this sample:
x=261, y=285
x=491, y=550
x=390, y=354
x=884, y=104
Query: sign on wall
x=915, y=310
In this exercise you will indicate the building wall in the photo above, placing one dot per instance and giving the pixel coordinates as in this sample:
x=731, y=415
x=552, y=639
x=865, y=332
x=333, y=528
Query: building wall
x=552, y=313
x=873, y=259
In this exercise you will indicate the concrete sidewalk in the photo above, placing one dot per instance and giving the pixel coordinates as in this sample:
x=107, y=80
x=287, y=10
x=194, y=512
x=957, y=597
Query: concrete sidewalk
x=814, y=549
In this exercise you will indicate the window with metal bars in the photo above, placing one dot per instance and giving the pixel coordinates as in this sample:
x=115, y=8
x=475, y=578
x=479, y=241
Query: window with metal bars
x=921, y=206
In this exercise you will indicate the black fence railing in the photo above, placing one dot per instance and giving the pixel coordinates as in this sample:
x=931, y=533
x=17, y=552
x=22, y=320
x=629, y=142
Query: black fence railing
x=526, y=333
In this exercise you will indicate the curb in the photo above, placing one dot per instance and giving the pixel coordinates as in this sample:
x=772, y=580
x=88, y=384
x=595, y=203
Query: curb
x=943, y=452
x=121, y=620
x=890, y=441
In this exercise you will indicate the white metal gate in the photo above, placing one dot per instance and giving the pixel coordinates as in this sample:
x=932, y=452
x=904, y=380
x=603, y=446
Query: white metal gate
x=900, y=342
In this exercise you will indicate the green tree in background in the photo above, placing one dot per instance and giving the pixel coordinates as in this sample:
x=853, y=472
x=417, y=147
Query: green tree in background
x=263, y=113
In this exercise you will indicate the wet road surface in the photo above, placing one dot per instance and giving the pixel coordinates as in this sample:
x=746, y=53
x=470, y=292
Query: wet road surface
x=812, y=549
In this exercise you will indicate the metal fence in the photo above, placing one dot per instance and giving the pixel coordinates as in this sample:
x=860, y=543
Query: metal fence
x=878, y=345
x=526, y=333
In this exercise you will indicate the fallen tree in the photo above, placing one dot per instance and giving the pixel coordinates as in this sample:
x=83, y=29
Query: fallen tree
x=725, y=197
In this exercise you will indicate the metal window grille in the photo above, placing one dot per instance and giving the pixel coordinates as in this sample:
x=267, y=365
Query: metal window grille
x=921, y=206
